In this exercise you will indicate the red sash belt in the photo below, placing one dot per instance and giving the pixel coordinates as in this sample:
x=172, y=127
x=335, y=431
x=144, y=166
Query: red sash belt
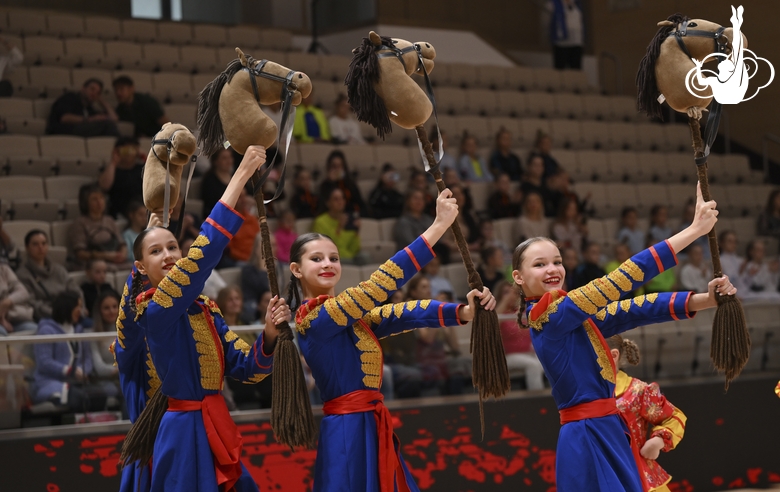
x=390, y=470
x=589, y=410
x=224, y=439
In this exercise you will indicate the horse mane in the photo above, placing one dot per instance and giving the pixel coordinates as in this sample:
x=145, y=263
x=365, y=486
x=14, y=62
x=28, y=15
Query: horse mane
x=646, y=84
x=211, y=136
x=361, y=95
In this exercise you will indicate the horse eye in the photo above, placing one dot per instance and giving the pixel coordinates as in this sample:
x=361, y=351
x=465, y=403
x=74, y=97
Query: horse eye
x=692, y=24
x=427, y=45
x=395, y=41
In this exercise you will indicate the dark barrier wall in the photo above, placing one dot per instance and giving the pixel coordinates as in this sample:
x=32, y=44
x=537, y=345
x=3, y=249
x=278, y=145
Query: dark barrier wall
x=731, y=441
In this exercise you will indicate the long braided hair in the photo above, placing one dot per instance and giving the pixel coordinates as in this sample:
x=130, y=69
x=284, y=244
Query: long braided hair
x=296, y=252
x=626, y=347
x=517, y=263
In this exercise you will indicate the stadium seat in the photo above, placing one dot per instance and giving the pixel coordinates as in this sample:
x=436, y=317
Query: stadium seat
x=43, y=50
x=126, y=55
x=65, y=187
x=100, y=148
x=89, y=167
x=350, y=277
x=623, y=108
x=305, y=62
x=529, y=128
x=105, y=28
x=276, y=39
x=27, y=22
x=547, y=79
x=649, y=136
x=29, y=166
x=139, y=31
x=59, y=232
x=462, y=75
x=575, y=81
x=386, y=227
x=451, y=100
x=52, y=81
x=369, y=228
x=397, y=155
x=171, y=87
x=596, y=107
x=493, y=78
x=19, y=146
x=243, y=36
x=43, y=210
x=624, y=136
x=481, y=102
x=678, y=137
x=497, y=123
x=569, y=106
x=457, y=277
x=520, y=78
x=231, y=276
x=541, y=105
x=360, y=158
x=63, y=146
x=25, y=126
x=302, y=226
x=681, y=166
x=649, y=195
x=182, y=113
x=17, y=229
x=624, y=166
x=84, y=52
x=199, y=59
x=596, y=135
x=162, y=56
x=566, y=134
x=512, y=103
x=313, y=156
x=16, y=107
x=70, y=208
x=209, y=35
x=21, y=187
x=201, y=80
x=179, y=33
x=334, y=68
x=476, y=126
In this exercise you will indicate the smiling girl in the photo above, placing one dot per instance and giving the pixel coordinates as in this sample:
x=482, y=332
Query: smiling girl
x=339, y=340
x=568, y=332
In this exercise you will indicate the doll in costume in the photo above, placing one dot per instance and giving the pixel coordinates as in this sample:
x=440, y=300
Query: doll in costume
x=339, y=338
x=568, y=332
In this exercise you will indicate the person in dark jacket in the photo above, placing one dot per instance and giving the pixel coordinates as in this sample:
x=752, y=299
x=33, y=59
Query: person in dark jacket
x=385, y=200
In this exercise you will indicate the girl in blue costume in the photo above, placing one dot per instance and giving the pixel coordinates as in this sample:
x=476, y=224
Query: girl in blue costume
x=568, y=331
x=357, y=450
x=197, y=446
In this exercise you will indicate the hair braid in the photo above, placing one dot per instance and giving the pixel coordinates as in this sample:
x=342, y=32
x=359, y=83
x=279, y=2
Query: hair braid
x=631, y=350
x=293, y=293
x=137, y=287
x=522, y=320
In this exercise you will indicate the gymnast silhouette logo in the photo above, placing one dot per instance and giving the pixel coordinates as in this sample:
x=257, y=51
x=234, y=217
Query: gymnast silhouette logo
x=730, y=84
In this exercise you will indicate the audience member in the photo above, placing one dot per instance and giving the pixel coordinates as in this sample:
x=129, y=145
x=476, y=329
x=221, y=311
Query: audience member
x=519, y=352
x=95, y=283
x=504, y=203
x=466, y=220
x=262, y=308
x=337, y=175
x=503, y=160
x=215, y=282
x=136, y=215
x=285, y=235
x=542, y=147
x=310, y=122
x=730, y=260
x=570, y=259
x=629, y=232
x=42, y=278
x=16, y=312
x=492, y=269
x=769, y=220
x=533, y=179
x=487, y=238
x=62, y=369
x=687, y=218
x=569, y=228
x=344, y=128
x=10, y=58
x=142, y=110
x=342, y=227
x=472, y=166
x=123, y=176
x=419, y=181
x=696, y=273
x=216, y=179
x=254, y=276
x=659, y=229
x=437, y=282
x=532, y=222
x=448, y=160
x=566, y=33
x=759, y=277
x=230, y=302
x=83, y=113
x=385, y=200
x=589, y=269
x=8, y=251
x=94, y=235
x=239, y=249
x=106, y=310
x=303, y=203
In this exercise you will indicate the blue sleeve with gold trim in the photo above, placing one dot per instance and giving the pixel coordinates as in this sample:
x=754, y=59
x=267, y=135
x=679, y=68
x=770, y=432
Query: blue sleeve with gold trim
x=243, y=362
x=353, y=304
x=624, y=315
x=392, y=319
x=184, y=282
x=558, y=313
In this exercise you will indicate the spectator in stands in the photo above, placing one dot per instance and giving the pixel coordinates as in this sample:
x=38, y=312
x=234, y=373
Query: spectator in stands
x=83, y=113
x=413, y=222
x=569, y=229
x=437, y=282
x=687, y=218
x=570, y=258
x=519, y=352
x=553, y=195
x=730, y=260
x=542, y=147
x=438, y=352
x=95, y=284
x=503, y=160
x=284, y=235
x=216, y=179
x=471, y=165
x=16, y=312
x=230, y=302
x=8, y=251
x=310, y=122
x=659, y=229
x=106, y=310
x=487, y=238
x=696, y=271
x=620, y=254
x=142, y=110
x=533, y=179
x=385, y=200
x=448, y=160
x=759, y=276
x=10, y=58
x=254, y=277
x=769, y=220
x=337, y=175
x=630, y=233
x=303, y=203
x=589, y=269
x=123, y=177
x=42, y=278
x=342, y=227
x=215, y=282
x=344, y=128
x=239, y=248
x=532, y=222
x=566, y=33
x=136, y=214
x=94, y=235
x=504, y=203
x=493, y=269
x=419, y=181
x=466, y=219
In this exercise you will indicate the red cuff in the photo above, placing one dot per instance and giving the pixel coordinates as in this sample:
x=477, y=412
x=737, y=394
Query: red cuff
x=657, y=259
x=457, y=314
x=688, y=313
x=232, y=210
x=674, y=253
x=413, y=258
x=262, y=351
x=671, y=306
x=218, y=227
x=429, y=246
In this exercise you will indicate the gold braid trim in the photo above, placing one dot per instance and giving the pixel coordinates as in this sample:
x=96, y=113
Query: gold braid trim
x=612, y=308
x=607, y=288
x=210, y=370
x=595, y=296
x=169, y=287
x=398, y=309
x=180, y=277
x=411, y=305
x=623, y=283
x=230, y=335
x=601, y=315
x=633, y=270
x=162, y=299
x=374, y=291
x=240, y=344
x=652, y=297
x=346, y=303
x=581, y=301
x=601, y=354
x=201, y=241
x=387, y=310
x=539, y=322
x=425, y=303
x=362, y=299
x=332, y=307
x=188, y=265
x=373, y=317
x=140, y=308
x=305, y=323
x=154, y=379
x=639, y=300
x=625, y=304
x=370, y=358
x=256, y=378
x=120, y=336
x=383, y=281
x=195, y=254
x=389, y=267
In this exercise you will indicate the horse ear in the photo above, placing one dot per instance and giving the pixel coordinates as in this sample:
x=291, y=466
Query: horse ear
x=375, y=39
x=241, y=56
x=666, y=23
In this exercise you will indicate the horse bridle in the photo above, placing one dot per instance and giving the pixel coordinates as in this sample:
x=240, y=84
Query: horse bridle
x=288, y=91
x=168, y=142
x=394, y=51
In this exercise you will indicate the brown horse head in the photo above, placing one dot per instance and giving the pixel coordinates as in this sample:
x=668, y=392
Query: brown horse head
x=228, y=108
x=175, y=144
x=665, y=65
x=379, y=87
